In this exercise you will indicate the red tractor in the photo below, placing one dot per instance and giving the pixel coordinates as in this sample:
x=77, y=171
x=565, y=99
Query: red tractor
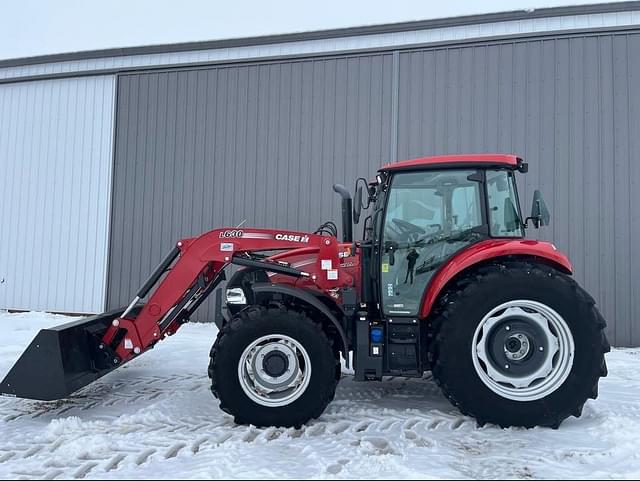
x=443, y=281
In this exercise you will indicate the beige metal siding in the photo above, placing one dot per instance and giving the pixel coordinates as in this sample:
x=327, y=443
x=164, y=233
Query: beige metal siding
x=55, y=171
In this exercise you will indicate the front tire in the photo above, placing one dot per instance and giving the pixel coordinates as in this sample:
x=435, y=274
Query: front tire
x=518, y=344
x=273, y=367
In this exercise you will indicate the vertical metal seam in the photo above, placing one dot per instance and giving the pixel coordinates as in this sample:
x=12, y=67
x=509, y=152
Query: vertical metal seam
x=555, y=116
x=583, y=170
x=395, y=108
x=570, y=155
x=111, y=193
x=630, y=181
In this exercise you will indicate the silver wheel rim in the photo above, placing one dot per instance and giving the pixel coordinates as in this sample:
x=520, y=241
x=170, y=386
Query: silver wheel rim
x=274, y=389
x=523, y=350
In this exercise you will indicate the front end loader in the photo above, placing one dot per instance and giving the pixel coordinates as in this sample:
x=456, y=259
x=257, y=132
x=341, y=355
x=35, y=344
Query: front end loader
x=443, y=280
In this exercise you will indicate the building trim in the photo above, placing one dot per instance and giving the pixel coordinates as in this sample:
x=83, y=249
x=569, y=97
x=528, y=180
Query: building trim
x=111, y=194
x=498, y=39
x=479, y=19
x=353, y=43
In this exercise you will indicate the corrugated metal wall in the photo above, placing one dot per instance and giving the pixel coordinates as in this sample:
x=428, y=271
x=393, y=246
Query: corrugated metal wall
x=205, y=148
x=571, y=107
x=200, y=149
x=55, y=164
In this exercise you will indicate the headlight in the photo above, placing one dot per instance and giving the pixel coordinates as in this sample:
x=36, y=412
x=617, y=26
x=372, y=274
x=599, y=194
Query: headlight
x=236, y=296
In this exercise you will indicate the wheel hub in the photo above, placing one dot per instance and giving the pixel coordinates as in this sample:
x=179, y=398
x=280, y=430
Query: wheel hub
x=274, y=370
x=275, y=364
x=523, y=350
x=517, y=347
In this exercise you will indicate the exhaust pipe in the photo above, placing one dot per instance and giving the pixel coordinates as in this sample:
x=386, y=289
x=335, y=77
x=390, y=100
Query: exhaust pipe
x=347, y=212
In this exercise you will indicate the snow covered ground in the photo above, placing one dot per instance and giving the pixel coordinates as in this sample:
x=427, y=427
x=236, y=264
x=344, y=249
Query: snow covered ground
x=155, y=418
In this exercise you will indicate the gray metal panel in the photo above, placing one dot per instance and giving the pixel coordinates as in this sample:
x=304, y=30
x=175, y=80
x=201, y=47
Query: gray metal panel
x=55, y=159
x=201, y=149
x=571, y=107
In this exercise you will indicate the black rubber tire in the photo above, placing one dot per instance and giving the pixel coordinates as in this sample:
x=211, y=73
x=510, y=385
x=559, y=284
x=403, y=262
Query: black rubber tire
x=465, y=304
x=251, y=324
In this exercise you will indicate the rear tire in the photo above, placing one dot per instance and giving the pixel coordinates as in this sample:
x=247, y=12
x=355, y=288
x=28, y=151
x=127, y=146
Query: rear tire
x=273, y=367
x=533, y=384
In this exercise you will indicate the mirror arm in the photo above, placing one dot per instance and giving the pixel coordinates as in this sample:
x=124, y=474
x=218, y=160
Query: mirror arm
x=535, y=220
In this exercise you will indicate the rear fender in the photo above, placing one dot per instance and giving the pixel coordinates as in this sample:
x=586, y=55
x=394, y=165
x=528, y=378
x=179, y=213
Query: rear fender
x=313, y=302
x=486, y=251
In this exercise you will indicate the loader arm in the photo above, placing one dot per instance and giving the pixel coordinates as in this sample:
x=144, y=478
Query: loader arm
x=198, y=269
x=63, y=359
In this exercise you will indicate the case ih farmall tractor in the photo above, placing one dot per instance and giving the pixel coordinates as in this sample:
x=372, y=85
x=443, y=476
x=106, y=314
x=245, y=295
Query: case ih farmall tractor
x=443, y=280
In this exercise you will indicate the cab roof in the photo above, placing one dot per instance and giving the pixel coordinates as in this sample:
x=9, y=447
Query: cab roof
x=457, y=160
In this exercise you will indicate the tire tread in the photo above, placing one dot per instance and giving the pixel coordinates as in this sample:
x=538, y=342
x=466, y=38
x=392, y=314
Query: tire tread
x=466, y=287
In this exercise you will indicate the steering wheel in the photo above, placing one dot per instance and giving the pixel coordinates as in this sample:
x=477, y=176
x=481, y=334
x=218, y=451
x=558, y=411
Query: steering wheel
x=407, y=228
x=403, y=232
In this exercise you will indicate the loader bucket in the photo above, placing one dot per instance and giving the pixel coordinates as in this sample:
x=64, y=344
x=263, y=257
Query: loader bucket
x=61, y=360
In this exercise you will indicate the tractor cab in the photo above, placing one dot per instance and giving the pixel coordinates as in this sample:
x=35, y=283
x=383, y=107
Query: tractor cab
x=427, y=211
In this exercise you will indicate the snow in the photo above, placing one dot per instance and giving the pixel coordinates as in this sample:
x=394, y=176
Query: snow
x=156, y=418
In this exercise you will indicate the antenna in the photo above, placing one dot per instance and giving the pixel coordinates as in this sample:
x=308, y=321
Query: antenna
x=241, y=224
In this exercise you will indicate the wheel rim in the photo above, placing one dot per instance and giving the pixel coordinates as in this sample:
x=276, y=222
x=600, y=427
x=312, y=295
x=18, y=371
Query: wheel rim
x=274, y=370
x=523, y=350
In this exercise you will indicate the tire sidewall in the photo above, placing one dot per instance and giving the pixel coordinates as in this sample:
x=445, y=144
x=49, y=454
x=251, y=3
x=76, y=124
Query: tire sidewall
x=455, y=355
x=322, y=379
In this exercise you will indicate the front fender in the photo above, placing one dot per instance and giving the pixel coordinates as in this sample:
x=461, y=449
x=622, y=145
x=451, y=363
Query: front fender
x=312, y=301
x=488, y=250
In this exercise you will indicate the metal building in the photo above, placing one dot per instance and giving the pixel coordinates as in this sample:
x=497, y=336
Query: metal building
x=108, y=157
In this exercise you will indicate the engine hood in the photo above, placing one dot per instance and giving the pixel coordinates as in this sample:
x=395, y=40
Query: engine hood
x=303, y=259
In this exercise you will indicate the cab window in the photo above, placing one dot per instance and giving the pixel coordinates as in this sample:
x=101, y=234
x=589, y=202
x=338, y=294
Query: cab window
x=504, y=217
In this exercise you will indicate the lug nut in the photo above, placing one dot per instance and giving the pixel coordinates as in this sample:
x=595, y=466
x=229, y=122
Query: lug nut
x=506, y=366
x=541, y=348
x=508, y=328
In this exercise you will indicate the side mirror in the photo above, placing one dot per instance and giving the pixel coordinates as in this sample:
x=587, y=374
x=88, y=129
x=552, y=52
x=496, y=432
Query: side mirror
x=539, y=212
x=357, y=206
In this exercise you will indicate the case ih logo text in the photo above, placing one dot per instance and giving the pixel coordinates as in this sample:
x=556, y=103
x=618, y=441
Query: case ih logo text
x=292, y=238
x=230, y=234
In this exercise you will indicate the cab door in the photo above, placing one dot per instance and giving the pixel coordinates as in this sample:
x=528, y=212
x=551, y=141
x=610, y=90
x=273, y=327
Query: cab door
x=429, y=216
